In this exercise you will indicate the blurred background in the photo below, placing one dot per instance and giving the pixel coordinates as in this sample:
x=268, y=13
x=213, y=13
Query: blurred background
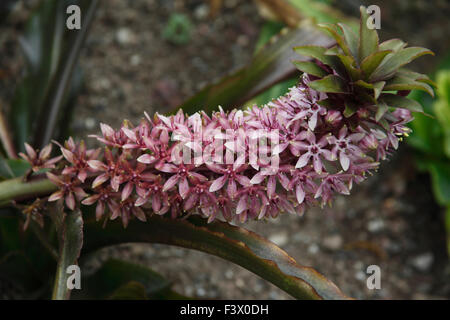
x=153, y=55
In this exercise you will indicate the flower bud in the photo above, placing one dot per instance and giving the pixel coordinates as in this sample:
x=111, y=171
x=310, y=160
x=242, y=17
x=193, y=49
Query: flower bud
x=369, y=142
x=333, y=117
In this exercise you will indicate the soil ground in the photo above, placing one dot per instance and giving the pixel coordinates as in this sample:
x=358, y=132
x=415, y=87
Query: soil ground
x=391, y=220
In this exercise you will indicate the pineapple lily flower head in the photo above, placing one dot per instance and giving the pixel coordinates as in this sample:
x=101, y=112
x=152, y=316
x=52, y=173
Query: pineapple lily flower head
x=327, y=133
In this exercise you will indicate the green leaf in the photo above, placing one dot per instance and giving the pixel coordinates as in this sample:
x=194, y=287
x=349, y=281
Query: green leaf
x=440, y=173
x=44, y=45
x=12, y=168
x=327, y=103
x=381, y=110
x=351, y=39
x=333, y=51
x=23, y=260
x=443, y=79
x=321, y=12
x=394, y=61
x=70, y=243
x=392, y=44
x=442, y=108
x=332, y=30
x=405, y=83
x=447, y=227
x=231, y=243
x=316, y=52
x=274, y=92
x=178, y=29
x=416, y=76
x=330, y=83
x=442, y=111
x=371, y=62
x=378, y=88
x=268, y=30
x=363, y=84
x=130, y=291
x=17, y=267
x=350, y=68
x=271, y=65
x=396, y=101
x=41, y=47
x=426, y=135
x=114, y=277
x=310, y=68
x=368, y=38
x=350, y=109
x=61, y=82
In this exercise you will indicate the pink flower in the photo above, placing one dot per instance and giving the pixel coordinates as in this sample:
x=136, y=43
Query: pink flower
x=126, y=210
x=69, y=190
x=134, y=177
x=344, y=146
x=104, y=197
x=303, y=183
x=110, y=137
x=252, y=201
x=158, y=146
x=201, y=198
x=337, y=182
x=78, y=157
x=152, y=192
x=41, y=161
x=312, y=149
x=138, y=137
x=181, y=175
x=229, y=176
x=108, y=171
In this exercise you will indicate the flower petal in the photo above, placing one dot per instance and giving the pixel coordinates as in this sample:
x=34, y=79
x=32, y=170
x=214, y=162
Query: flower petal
x=303, y=160
x=231, y=189
x=243, y=180
x=45, y=152
x=126, y=192
x=55, y=179
x=218, y=183
x=242, y=205
x=170, y=183
x=99, y=210
x=344, y=160
x=139, y=213
x=299, y=193
x=91, y=200
x=70, y=201
x=56, y=196
x=100, y=180
x=271, y=185
x=30, y=151
x=258, y=178
x=183, y=188
x=147, y=159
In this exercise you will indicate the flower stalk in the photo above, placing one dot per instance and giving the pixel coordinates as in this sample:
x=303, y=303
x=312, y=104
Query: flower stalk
x=17, y=189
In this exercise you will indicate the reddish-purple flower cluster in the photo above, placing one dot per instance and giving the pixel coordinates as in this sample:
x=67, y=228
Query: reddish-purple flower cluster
x=319, y=152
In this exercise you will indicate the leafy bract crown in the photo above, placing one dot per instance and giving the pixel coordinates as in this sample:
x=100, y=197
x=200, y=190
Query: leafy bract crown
x=359, y=72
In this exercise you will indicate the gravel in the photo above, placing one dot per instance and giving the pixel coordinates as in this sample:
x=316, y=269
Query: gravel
x=391, y=220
